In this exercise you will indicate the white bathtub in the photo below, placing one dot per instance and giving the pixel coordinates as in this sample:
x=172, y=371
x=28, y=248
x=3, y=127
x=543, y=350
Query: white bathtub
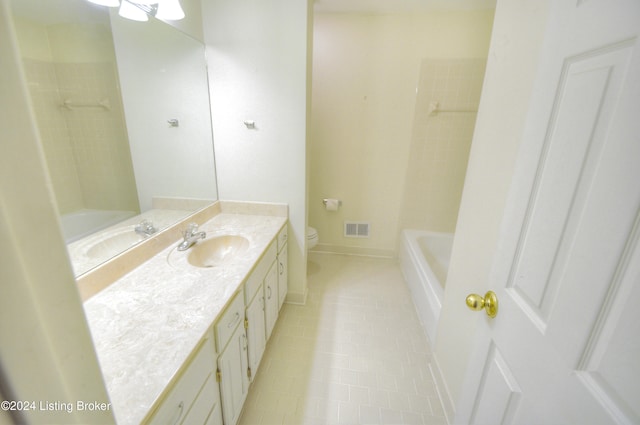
x=81, y=223
x=424, y=259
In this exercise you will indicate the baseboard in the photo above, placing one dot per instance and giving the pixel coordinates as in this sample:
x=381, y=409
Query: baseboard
x=299, y=298
x=353, y=250
x=443, y=391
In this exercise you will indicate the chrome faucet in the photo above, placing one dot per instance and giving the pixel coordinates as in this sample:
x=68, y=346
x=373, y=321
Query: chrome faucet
x=191, y=236
x=145, y=228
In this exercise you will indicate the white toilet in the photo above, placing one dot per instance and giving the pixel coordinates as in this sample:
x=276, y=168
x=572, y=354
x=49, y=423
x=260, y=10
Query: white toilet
x=312, y=237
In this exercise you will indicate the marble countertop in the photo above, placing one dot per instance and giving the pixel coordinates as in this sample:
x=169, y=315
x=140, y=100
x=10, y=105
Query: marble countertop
x=145, y=325
x=82, y=258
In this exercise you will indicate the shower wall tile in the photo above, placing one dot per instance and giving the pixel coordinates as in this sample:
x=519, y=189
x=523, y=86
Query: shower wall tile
x=98, y=135
x=86, y=148
x=441, y=142
x=58, y=151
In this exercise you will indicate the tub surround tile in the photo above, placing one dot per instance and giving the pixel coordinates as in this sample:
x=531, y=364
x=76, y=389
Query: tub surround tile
x=146, y=324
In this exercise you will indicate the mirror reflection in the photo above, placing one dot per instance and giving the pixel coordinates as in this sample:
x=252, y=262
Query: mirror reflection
x=123, y=113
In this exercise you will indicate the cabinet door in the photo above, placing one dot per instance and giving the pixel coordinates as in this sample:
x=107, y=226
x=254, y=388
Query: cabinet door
x=206, y=406
x=194, y=393
x=271, y=298
x=215, y=417
x=234, y=383
x=256, y=333
x=283, y=276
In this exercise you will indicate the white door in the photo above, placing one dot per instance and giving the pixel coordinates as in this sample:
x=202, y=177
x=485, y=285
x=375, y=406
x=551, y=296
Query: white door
x=565, y=345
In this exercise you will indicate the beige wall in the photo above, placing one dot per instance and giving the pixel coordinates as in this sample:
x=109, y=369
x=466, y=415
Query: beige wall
x=257, y=54
x=511, y=69
x=192, y=22
x=45, y=346
x=365, y=74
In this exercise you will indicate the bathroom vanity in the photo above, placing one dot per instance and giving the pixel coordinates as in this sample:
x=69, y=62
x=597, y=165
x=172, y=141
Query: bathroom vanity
x=180, y=337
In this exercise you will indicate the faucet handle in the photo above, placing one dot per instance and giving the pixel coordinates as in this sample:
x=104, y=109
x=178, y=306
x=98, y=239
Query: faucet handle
x=146, y=224
x=146, y=227
x=191, y=229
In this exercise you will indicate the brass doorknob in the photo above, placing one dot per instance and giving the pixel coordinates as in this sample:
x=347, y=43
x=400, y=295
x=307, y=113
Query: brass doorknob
x=489, y=302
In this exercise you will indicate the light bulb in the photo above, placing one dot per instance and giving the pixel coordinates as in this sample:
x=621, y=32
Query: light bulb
x=129, y=11
x=170, y=10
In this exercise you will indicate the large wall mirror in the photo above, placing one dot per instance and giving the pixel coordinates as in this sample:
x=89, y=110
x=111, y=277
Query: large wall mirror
x=123, y=113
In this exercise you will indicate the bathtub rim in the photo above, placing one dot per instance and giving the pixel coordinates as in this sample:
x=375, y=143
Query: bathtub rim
x=410, y=237
x=431, y=291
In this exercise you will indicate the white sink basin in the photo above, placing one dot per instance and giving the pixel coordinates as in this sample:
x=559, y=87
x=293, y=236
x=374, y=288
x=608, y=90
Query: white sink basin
x=212, y=252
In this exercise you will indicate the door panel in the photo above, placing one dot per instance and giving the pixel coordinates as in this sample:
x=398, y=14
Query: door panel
x=499, y=392
x=256, y=332
x=271, y=298
x=604, y=367
x=565, y=343
x=577, y=126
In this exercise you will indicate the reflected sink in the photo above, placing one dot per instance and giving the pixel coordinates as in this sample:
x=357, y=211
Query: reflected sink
x=217, y=251
x=114, y=244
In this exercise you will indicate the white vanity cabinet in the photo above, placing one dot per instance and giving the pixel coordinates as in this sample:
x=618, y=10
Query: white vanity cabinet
x=283, y=266
x=255, y=322
x=255, y=328
x=254, y=319
x=231, y=341
x=194, y=397
x=271, y=298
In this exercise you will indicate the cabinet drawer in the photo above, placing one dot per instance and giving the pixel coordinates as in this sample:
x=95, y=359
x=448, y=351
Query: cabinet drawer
x=176, y=405
x=282, y=237
x=229, y=321
x=257, y=275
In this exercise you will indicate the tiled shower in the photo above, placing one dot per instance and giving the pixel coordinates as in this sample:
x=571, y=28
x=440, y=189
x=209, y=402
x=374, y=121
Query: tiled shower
x=445, y=114
x=80, y=118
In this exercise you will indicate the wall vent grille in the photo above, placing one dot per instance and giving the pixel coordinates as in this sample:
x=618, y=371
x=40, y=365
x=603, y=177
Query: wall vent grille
x=353, y=229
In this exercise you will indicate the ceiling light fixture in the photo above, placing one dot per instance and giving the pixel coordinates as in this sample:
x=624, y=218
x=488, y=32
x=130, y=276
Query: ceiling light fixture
x=130, y=11
x=169, y=10
x=138, y=10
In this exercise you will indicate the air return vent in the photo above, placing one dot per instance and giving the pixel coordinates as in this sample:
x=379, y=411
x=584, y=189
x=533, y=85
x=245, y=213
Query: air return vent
x=354, y=229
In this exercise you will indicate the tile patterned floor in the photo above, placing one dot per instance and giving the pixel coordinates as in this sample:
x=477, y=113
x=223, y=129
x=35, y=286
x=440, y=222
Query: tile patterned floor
x=354, y=354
